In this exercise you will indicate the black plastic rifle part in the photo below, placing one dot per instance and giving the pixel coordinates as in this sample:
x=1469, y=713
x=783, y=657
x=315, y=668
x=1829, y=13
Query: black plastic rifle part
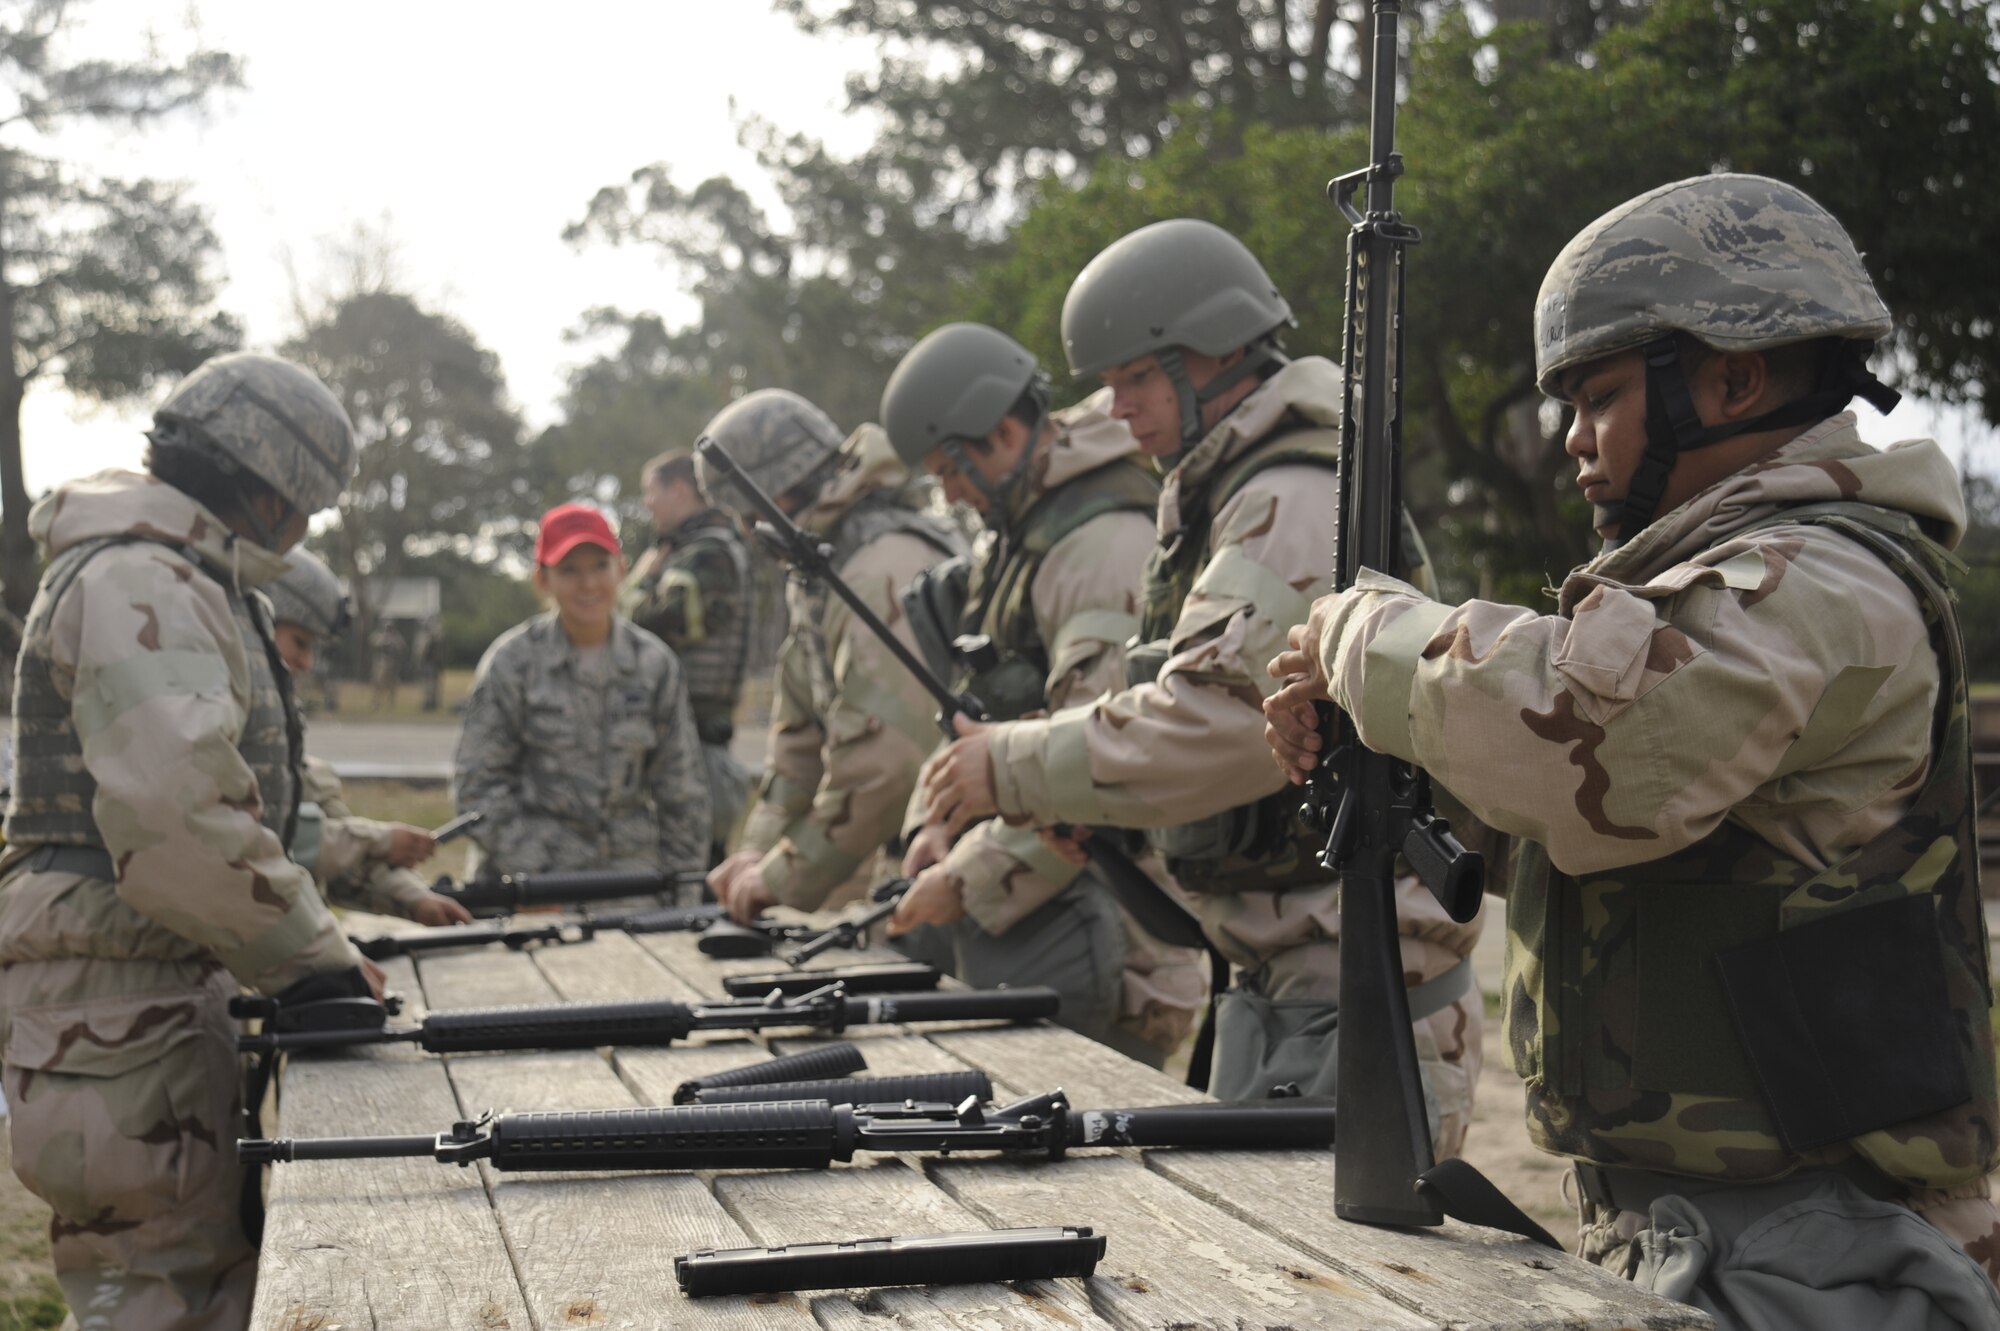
x=924, y=1087
x=852, y=932
x=886, y=977
x=1371, y=806
x=1045, y=1253
x=812, y=1134
x=826, y=1061
x=515, y=891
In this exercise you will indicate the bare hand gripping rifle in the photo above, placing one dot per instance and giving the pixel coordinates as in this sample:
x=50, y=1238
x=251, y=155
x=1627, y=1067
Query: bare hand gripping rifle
x=1374, y=807
x=655, y=1021
x=1159, y=914
x=812, y=1134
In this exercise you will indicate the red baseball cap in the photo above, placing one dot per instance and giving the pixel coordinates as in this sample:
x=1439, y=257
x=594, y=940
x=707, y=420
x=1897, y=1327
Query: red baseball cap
x=566, y=526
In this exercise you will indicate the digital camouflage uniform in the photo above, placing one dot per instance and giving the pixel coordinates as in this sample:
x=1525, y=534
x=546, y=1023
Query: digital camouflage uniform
x=580, y=771
x=347, y=854
x=1186, y=744
x=692, y=589
x=1029, y=920
x=153, y=720
x=850, y=726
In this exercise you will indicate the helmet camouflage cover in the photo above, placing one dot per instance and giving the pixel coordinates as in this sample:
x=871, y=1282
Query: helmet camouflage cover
x=270, y=418
x=308, y=595
x=777, y=437
x=1740, y=262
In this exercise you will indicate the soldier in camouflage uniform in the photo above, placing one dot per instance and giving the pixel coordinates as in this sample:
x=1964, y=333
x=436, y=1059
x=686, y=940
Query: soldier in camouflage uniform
x=578, y=744
x=146, y=879
x=1041, y=624
x=850, y=726
x=1181, y=322
x=1747, y=977
x=358, y=862
x=692, y=589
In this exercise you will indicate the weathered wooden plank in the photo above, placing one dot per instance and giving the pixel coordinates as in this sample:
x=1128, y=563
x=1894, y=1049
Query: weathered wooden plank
x=331, y=1223
x=886, y=1196
x=1172, y=1260
x=1462, y=1274
x=597, y=1249
x=1033, y=1059
x=614, y=966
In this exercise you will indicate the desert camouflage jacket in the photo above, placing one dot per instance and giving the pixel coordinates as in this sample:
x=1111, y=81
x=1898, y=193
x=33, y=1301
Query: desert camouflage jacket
x=146, y=645
x=347, y=853
x=850, y=726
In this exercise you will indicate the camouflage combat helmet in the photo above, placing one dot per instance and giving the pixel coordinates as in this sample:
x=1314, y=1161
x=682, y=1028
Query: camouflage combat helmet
x=1177, y=284
x=953, y=389
x=255, y=413
x=308, y=595
x=1739, y=262
x=777, y=437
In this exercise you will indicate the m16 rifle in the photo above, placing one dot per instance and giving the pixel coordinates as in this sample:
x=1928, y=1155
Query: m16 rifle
x=812, y=1134
x=1375, y=807
x=635, y=1022
x=510, y=892
x=756, y=938
x=1159, y=914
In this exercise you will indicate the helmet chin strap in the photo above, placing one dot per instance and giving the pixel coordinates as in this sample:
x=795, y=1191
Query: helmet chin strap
x=1002, y=494
x=1259, y=358
x=1673, y=425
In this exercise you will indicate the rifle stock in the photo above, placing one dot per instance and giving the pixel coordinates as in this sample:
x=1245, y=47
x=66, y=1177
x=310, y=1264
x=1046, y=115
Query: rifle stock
x=1374, y=807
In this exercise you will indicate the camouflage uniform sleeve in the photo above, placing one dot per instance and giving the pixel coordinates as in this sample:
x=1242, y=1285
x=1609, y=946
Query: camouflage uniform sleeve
x=1191, y=743
x=492, y=748
x=878, y=729
x=635, y=594
x=678, y=777
x=1788, y=684
x=161, y=692
x=1086, y=603
x=792, y=757
x=353, y=851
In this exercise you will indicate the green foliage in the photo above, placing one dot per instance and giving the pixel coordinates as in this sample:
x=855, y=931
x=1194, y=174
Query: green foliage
x=480, y=603
x=105, y=284
x=442, y=467
x=1513, y=145
x=38, y=1308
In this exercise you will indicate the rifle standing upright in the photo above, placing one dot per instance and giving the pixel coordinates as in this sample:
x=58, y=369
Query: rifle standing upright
x=1373, y=806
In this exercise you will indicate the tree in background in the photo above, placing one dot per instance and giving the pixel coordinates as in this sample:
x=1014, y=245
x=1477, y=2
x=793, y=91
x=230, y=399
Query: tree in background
x=442, y=471
x=105, y=284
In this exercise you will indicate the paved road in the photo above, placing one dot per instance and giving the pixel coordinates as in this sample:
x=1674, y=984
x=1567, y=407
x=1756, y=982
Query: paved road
x=421, y=751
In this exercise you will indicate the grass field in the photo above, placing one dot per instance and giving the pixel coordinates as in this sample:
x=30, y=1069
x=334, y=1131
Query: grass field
x=357, y=700
x=29, y=1299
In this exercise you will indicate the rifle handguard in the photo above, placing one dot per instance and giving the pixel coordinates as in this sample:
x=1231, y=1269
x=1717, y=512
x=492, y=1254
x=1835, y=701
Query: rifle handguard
x=1262, y=1124
x=797, y=1134
x=1024, y=1004
x=924, y=1087
x=825, y=1062
x=889, y=977
x=564, y=1026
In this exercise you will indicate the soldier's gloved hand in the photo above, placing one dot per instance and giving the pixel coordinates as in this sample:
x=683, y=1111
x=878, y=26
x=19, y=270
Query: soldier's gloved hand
x=927, y=847
x=409, y=846
x=936, y=897
x=1291, y=723
x=437, y=911
x=958, y=781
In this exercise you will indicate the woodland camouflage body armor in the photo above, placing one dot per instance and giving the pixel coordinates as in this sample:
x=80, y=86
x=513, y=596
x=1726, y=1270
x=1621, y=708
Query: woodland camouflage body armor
x=1727, y=1012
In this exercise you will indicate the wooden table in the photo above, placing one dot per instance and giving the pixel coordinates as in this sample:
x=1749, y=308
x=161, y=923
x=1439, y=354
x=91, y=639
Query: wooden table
x=1198, y=1239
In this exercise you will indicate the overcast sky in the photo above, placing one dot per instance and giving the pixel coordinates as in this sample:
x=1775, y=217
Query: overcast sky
x=471, y=134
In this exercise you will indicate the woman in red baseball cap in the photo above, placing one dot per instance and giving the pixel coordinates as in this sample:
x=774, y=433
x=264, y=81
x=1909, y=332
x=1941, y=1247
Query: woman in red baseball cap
x=578, y=745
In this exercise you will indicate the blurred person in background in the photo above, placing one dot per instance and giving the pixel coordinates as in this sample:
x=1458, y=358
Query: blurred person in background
x=578, y=745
